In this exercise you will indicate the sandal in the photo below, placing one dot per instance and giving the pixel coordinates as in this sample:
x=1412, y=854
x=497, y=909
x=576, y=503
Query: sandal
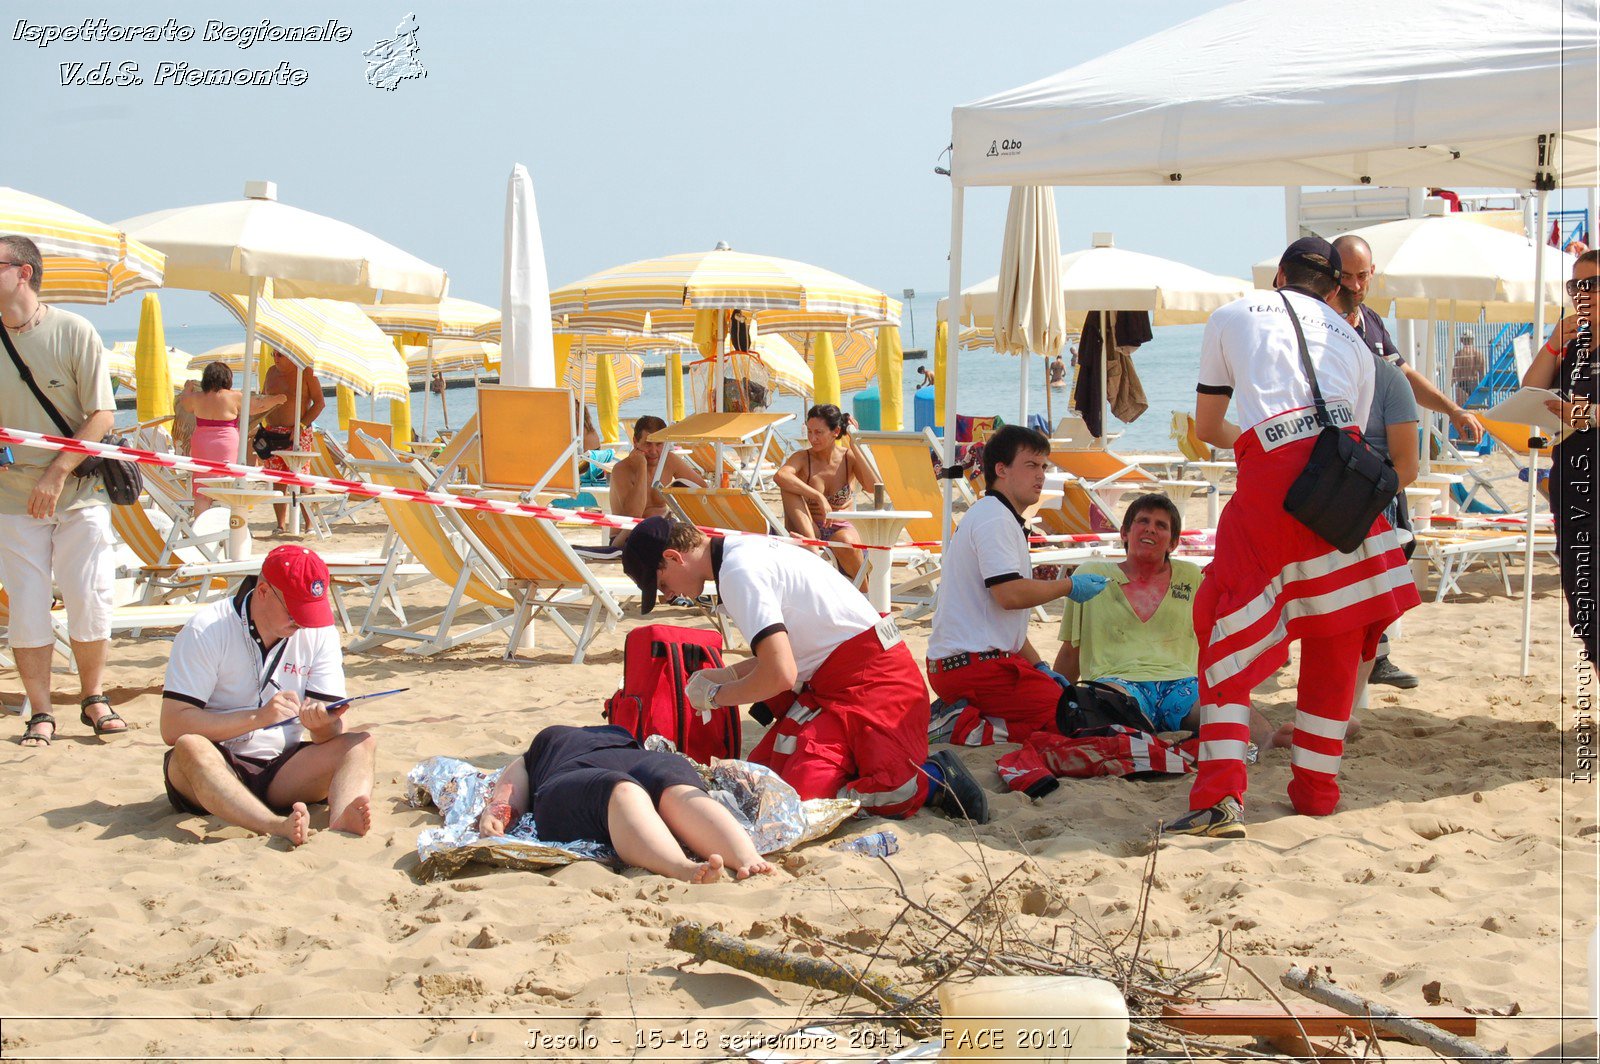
x=106, y=718
x=33, y=737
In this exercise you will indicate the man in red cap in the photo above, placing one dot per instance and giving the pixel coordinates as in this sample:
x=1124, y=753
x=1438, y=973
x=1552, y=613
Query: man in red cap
x=244, y=708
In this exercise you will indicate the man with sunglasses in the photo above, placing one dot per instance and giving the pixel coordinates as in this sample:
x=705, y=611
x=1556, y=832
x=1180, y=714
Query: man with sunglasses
x=1566, y=363
x=55, y=529
x=243, y=708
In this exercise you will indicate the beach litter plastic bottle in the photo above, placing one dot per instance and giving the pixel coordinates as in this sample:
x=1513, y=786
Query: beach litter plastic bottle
x=878, y=844
x=1050, y=1017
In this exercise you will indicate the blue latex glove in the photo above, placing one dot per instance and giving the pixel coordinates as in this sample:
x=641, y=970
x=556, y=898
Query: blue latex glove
x=1053, y=674
x=1086, y=586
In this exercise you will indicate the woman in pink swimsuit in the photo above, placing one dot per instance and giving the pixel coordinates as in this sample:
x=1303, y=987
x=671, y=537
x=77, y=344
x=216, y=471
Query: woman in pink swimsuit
x=820, y=478
x=216, y=419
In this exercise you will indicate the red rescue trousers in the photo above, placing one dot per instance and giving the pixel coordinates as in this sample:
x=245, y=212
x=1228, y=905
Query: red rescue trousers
x=857, y=729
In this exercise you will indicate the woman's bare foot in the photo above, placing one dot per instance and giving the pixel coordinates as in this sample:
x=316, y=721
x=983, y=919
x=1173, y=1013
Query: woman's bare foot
x=758, y=867
x=356, y=818
x=296, y=827
x=707, y=871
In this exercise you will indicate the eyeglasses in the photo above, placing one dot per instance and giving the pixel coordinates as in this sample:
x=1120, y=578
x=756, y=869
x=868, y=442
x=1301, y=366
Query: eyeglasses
x=3, y=265
x=1581, y=284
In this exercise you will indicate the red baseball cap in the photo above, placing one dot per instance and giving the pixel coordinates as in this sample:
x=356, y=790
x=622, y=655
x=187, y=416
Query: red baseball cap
x=302, y=578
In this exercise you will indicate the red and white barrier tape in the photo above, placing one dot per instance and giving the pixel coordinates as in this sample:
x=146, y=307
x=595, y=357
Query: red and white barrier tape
x=363, y=489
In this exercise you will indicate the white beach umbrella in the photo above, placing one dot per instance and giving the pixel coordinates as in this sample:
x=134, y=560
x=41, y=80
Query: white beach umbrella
x=527, y=342
x=257, y=246
x=1030, y=309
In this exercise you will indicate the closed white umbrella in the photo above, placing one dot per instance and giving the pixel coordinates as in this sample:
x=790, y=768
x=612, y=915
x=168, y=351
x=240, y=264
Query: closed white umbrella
x=527, y=342
x=1030, y=308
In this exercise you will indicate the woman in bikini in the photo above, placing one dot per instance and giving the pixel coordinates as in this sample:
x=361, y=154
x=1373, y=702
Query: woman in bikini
x=819, y=479
x=216, y=419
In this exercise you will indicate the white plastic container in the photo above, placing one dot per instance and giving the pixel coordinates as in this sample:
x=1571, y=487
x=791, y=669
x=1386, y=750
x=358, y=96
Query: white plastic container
x=1002, y=1017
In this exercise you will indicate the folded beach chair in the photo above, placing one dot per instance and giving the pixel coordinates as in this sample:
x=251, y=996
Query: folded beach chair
x=1453, y=552
x=547, y=579
x=436, y=539
x=163, y=554
x=735, y=508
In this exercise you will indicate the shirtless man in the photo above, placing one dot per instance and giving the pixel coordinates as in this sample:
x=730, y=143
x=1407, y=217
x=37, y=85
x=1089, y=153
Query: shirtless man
x=635, y=491
x=277, y=428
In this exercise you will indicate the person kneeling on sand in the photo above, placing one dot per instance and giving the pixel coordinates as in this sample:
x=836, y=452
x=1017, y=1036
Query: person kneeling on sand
x=243, y=708
x=598, y=784
x=850, y=704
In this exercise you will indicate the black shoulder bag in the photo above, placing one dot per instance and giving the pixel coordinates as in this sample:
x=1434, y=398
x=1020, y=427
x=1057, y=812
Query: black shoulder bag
x=122, y=480
x=1346, y=484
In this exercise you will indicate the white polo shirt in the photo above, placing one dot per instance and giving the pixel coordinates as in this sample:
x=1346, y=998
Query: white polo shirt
x=218, y=665
x=768, y=586
x=990, y=547
x=1249, y=351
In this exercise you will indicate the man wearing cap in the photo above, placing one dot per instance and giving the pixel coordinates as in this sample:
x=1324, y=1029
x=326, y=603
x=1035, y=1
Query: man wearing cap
x=243, y=708
x=1274, y=580
x=850, y=703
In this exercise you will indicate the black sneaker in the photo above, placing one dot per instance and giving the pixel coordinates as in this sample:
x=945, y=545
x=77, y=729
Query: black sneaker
x=1387, y=672
x=942, y=719
x=1225, y=820
x=961, y=796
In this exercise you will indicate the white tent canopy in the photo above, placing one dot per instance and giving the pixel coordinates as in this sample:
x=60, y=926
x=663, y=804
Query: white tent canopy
x=1318, y=92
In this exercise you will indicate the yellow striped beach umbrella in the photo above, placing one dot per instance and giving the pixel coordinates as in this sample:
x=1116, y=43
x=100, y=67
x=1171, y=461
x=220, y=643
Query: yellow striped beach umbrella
x=334, y=338
x=121, y=364
x=662, y=295
x=85, y=261
x=583, y=371
x=451, y=318
x=855, y=356
x=452, y=356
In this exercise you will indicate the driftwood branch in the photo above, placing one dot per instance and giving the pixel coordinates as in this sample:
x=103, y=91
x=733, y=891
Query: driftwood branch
x=816, y=972
x=1421, y=1032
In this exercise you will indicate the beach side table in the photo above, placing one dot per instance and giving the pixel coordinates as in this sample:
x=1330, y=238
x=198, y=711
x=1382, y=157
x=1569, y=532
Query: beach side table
x=238, y=498
x=879, y=528
x=1212, y=473
x=296, y=461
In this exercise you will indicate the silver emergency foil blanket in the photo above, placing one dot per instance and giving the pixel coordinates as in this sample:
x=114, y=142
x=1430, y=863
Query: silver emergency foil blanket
x=766, y=806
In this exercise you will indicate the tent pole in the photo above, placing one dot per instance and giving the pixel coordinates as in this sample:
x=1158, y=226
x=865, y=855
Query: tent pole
x=294, y=445
x=1430, y=371
x=952, y=317
x=1541, y=233
x=1535, y=441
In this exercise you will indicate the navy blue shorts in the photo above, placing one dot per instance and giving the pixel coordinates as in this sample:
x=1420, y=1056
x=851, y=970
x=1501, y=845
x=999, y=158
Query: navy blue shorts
x=572, y=772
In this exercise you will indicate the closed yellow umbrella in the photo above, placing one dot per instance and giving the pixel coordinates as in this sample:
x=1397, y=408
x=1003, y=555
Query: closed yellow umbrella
x=606, y=399
x=824, y=372
x=891, y=397
x=941, y=345
x=151, y=374
x=675, y=411
x=400, y=409
x=347, y=406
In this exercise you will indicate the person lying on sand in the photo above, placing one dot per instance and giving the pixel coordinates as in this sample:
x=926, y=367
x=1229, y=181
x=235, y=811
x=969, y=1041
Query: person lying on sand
x=243, y=708
x=598, y=784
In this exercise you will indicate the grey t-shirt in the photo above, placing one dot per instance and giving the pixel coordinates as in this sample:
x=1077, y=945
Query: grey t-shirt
x=68, y=363
x=1392, y=404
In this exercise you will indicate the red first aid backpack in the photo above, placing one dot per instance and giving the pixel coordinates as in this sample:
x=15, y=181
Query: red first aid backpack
x=658, y=660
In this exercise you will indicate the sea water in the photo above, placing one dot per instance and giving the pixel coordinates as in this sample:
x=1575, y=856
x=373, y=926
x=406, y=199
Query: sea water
x=987, y=383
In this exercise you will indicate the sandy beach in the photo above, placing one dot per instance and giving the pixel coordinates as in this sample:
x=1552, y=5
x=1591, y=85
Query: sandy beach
x=1462, y=855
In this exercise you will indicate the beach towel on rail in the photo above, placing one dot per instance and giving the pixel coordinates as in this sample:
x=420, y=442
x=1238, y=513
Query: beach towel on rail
x=858, y=728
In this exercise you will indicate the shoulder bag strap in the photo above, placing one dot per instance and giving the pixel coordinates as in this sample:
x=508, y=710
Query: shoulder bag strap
x=1305, y=360
x=27, y=378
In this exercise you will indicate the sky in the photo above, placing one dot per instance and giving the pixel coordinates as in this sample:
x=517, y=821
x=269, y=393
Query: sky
x=806, y=131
